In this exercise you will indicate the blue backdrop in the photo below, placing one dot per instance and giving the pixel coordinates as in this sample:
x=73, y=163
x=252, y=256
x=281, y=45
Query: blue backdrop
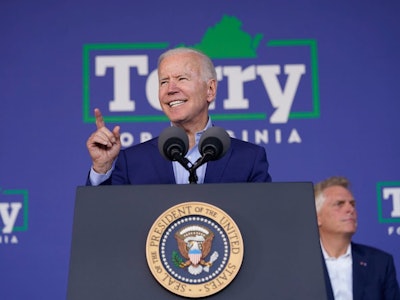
x=314, y=82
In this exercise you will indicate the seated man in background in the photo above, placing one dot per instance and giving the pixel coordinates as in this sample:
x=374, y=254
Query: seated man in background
x=353, y=271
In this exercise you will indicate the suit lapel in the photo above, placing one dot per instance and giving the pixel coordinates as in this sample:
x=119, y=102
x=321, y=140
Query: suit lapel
x=215, y=169
x=166, y=172
x=360, y=269
x=164, y=167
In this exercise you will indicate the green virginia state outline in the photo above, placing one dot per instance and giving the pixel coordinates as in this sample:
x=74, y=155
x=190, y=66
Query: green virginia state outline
x=224, y=40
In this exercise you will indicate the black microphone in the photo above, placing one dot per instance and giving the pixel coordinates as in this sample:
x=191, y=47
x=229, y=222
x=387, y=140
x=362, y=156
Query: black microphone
x=214, y=143
x=173, y=144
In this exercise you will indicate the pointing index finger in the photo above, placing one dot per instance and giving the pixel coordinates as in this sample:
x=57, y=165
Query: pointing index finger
x=99, y=118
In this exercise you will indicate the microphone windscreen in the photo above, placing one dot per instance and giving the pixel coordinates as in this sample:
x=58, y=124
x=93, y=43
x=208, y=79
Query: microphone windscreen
x=173, y=140
x=215, y=139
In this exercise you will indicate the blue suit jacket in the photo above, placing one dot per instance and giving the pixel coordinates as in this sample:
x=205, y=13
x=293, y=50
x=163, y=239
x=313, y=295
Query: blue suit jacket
x=374, y=275
x=143, y=164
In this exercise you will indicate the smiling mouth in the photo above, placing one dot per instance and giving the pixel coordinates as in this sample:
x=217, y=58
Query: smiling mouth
x=176, y=103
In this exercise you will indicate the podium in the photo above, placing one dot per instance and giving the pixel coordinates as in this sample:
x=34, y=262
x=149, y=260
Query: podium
x=282, y=257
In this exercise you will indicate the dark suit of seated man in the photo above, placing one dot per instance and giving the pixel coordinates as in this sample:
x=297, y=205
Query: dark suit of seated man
x=352, y=271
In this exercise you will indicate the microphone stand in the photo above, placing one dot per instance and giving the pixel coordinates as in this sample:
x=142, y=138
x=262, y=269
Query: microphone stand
x=193, y=178
x=177, y=156
x=202, y=160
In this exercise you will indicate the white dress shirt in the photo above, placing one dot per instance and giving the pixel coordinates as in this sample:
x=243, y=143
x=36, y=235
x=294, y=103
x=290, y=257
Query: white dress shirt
x=340, y=272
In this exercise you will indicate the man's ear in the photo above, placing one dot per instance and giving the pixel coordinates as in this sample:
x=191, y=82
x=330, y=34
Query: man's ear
x=211, y=90
x=319, y=222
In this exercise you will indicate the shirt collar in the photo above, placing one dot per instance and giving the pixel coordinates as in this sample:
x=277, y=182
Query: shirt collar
x=199, y=133
x=326, y=255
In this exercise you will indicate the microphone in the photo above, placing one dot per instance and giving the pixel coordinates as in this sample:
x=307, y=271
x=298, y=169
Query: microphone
x=214, y=143
x=173, y=144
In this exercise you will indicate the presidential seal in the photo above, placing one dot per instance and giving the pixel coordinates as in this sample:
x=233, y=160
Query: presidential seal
x=194, y=249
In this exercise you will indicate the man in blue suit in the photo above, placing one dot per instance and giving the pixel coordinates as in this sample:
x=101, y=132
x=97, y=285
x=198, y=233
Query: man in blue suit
x=352, y=271
x=187, y=86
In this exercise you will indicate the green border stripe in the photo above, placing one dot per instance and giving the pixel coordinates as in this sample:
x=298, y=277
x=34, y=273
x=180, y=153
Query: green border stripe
x=315, y=113
x=379, y=187
x=24, y=193
x=163, y=118
x=87, y=118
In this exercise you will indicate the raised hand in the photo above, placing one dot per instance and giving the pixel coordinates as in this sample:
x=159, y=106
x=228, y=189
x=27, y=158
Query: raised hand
x=103, y=145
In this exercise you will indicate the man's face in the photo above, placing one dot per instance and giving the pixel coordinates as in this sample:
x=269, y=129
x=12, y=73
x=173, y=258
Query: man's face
x=184, y=95
x=338, y=214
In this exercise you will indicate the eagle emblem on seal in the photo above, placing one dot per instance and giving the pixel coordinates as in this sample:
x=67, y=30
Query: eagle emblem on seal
x=194, y=244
